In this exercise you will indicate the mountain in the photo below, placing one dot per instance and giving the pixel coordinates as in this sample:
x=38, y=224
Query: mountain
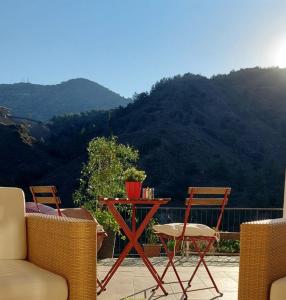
x=42, y=102
x=21, y=159
x=194, y=131
x=228, y=130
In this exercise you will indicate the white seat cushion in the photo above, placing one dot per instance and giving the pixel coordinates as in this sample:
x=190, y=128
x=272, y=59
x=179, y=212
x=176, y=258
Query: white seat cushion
x=12, y=224
x=20, y=280
x=278, y=289
x=175, y=229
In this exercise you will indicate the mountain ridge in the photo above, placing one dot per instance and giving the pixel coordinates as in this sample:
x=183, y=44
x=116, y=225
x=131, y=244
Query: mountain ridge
x=42, y=102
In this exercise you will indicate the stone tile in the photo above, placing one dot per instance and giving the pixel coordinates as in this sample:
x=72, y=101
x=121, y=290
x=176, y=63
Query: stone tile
x=132, y=281
x=229, y=296
x=144, y=289
x=227, y=284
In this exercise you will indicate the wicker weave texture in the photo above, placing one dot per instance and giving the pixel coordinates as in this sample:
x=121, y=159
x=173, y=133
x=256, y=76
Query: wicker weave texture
x=262, y=258
x=67, y=247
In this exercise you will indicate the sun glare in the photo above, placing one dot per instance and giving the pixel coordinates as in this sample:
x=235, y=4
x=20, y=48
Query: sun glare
x=280, y=55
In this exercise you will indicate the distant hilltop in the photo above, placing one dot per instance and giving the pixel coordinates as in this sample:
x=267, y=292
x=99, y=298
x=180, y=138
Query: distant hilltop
x=42, y=102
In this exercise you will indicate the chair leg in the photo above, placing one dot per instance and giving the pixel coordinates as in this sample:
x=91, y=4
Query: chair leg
x=58, y=208
x=100, y=284
x=211, y=278
x=202, y=261
x=201, y=255
x=167, y=266
x=170, y=255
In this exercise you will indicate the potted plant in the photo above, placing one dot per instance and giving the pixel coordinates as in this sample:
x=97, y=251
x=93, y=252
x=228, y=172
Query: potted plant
x=102, y=175
x=133, y=182
x=153, y=247
x=111, y=227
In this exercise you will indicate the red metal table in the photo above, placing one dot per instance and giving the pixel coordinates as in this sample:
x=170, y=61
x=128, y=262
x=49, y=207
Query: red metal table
x=133, y=233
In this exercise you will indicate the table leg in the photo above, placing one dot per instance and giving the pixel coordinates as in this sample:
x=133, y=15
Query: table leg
x=115, y=266
x=149, y=266
x=133, y=218
x=119, y=219
x=133, y=236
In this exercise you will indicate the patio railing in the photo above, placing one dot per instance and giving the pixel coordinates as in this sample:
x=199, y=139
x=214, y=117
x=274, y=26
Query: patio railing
x=232, y=219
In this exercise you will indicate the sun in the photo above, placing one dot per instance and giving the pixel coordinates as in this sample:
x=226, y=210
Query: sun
x=280, y=55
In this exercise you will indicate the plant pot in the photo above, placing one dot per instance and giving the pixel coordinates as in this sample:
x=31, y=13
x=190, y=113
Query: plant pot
x=152, y=250
x=108, y=244
x=100, y=239
x=133, y=189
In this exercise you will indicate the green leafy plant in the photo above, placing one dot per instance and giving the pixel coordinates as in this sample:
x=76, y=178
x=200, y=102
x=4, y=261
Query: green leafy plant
x=151, y=236
x=228, y=246
x=106, y=219
x=171, y=245
x=102, y=175
x=132, y=174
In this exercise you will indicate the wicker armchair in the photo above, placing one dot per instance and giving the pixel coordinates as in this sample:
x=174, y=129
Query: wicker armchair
x=262, y=258
x=49, y=249
x=67, y=247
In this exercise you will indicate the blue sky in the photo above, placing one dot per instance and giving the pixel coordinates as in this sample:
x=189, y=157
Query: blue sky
x=128, y=45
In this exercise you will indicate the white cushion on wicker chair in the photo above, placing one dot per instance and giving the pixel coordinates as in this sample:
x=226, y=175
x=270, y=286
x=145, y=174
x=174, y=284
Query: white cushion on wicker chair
x=175, y=229
x=20, y=280
x=278, y=289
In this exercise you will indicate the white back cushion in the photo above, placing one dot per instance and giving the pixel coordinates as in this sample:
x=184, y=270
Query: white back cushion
x=12, y=224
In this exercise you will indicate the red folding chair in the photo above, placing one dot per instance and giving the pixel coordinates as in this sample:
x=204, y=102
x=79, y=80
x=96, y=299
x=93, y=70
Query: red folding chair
x=195, y=233
x=46, y=195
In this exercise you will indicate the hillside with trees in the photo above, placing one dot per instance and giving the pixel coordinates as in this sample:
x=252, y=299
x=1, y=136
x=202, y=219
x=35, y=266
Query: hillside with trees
x=42, y=102
x=228, y=130
x=22, y=158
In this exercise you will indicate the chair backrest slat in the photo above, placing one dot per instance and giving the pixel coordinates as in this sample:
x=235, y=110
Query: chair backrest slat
x=209, y=190
x=48, y=189
x=205, y=201
x=47, y=200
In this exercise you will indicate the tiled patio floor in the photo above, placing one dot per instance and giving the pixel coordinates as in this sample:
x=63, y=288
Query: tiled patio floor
x=133, y=281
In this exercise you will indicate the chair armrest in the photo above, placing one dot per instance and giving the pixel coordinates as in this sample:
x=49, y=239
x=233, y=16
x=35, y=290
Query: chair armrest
x=262, y=257
x=82, y=213
x=67, y=247
x=77, y=213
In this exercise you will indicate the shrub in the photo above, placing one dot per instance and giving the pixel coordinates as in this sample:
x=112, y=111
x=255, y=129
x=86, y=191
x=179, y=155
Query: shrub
x=228, y=246
x=152, y=237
